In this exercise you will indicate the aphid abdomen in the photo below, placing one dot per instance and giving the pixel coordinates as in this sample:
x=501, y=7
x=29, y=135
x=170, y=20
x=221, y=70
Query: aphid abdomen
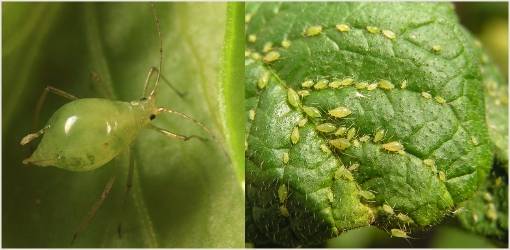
x=87, y=133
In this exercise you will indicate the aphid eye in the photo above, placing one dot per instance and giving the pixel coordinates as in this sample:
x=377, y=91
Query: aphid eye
x=152, y=117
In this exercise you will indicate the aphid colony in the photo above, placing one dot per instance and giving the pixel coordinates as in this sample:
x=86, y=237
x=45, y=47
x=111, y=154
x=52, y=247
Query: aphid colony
x=346, y=136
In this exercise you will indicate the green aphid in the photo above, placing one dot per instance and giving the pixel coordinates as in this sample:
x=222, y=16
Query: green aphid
x=364, y=138
x=286, y=43
x=335, y=84
x=372, y=86
x=284, y=211
x=251, y=114
x=426, y=95
x=367, y=195
x=263, y=80
x=487, y=197
x=340, y=143
x=386, y=85
x=340, y=112
x=379, y=135
x=331, y=196
x=321, y=84
x=491, y=213
x=361, y=85
x=312, y=111
x=389, y=34
x=399, y=233
x=356, y=143
x=340, y=131
x=442, y=176
x=303, y=93
x=351, y=133
x=325, y=149
x=403, y=84
x=282, y=193
x=302, y=122
x=326, y=127
x=293, y=98
x=267, y=47
x=388, y=209
x=353, y=167
x=393, y=146
x=343, y=27
x=346, y=82
x=404, y=218
x=294, y=136
x=271, y=57
x=429, y=162
x=307, y=84
x=285, y=158
x=313, y=30
x=87, y=133
x=440, y=99
x=373, y=29
x=343, y=173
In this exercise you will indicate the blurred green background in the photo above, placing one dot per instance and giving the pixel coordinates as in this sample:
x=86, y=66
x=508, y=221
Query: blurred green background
x=185, y=194
x=489, y=23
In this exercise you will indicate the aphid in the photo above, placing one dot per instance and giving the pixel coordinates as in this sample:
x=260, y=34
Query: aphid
x=325, y=149
x=247, y=18
x=389, y=34
x=354, y=167
x=326, y=127
x=498, y=182
x=307, y=84
x=331, y=196
x=263, y=80
x=398, y=233
x=475, y=218
x=252, y=38
x=303, y=93
x=343, y=173
x=255, y=56
x=356, y=143
x=247, y=53
x=404, y=218
x=436, y=48
x=340, y=131
x=386, y=85
x=426, y=95
x=388, y=209
x=313, y=30
x=372, y=86
x=487, y=197
x=293, y=97
x=373, y=29
x=429, y=162
x=351, y=133
x=364, y=138
x=268, y=46
x=312, y=111
x=271, y=57
x=284, y=211
x=87, y=133
x=459, y=210
x=442, y=176
x=379, y=135
x=335, y=84
x=347, y=81
x=340, y=143
x=282, y=193
x=285, y=158
x=393, y=146
x=321, y=84
x=361, y=85
x=403, y=84
x=302, y=122
x=343, y=27
x=367, y=195
x=474, y=140
x=440, y=99
x=251, y=114
x=491, y=213
x=294, y=136
x=286, y=43
x=340, y=112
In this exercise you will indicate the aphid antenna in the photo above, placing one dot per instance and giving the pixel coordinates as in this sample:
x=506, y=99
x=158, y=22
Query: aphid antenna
x=156, y=20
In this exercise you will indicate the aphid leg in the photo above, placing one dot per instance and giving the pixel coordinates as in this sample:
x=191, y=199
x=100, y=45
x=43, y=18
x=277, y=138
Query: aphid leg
x=174, y=135
x=129, y=184
x=185, y=116
x=153, y=70
x=94, y=208
x=42, y=99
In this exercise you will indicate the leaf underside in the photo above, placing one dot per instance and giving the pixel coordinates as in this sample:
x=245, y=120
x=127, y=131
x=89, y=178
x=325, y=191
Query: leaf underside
x=427, y=57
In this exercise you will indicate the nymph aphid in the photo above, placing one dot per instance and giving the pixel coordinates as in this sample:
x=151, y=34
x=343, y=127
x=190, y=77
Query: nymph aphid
x=87, y=133
x=313, y=30
x=393, y=146
x=326, y=127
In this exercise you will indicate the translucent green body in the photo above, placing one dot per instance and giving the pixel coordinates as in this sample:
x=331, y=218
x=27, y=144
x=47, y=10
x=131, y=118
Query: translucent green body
x=87, y=133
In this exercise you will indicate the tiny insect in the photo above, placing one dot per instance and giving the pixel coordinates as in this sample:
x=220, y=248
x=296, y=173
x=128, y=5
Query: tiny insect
x=398, y=233
x=87, y=133
x=343, y=27
x=326, y=127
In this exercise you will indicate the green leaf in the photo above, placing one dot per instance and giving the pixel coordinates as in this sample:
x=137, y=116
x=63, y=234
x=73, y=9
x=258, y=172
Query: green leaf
x=185, y=194
x=416, y=75
x=487, y=212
